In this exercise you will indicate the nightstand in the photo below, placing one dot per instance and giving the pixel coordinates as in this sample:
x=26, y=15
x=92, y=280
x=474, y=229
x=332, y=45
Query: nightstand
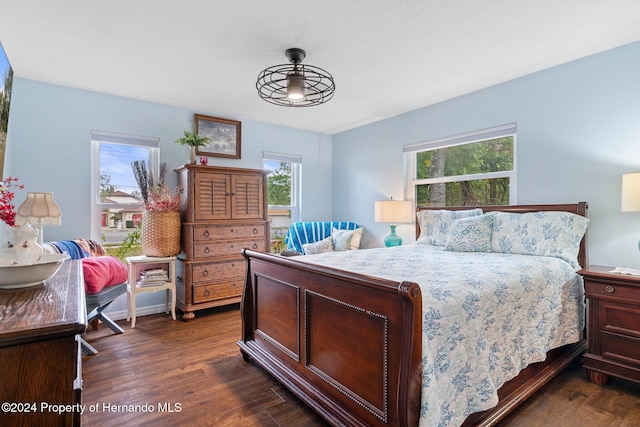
x=613, y=324
x=142, y=279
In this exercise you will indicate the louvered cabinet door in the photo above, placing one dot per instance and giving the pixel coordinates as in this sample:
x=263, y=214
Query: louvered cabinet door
x=212, y=196
x=247, y=194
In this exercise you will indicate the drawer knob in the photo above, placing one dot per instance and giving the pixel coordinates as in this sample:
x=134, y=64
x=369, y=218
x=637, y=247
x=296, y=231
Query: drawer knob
x=205, y=273
x=609, y=289
x=207, y=250
x=255, y=246
x=206, y=233
x=255, y=231
x=206, y=292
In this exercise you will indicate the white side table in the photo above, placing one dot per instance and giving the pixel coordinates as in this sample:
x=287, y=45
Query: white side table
x=139, y=264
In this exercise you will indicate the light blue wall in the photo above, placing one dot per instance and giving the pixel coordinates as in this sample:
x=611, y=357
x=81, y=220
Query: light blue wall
x=49, y=146
x=578, y=132
x=49, y=149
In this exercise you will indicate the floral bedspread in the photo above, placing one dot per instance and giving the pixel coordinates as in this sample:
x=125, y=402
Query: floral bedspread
x=486, y=316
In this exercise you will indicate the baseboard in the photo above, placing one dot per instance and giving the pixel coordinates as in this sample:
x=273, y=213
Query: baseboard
x=140, y=311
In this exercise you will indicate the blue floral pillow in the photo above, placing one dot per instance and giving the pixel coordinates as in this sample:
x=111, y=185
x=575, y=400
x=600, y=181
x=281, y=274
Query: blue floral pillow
x=435, y=224
x=471, y=234
x=555, y=234
x=344, y=240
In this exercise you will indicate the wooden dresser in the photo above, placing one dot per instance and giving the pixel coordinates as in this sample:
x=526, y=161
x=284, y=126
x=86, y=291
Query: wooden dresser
x=40, y=356
x=613, y=324
x=223, y=210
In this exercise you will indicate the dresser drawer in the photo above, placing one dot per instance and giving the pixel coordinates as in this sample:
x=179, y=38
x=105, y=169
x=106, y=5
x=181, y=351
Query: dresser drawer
x=233, y=247
x=217, y=270
x=225, y=232
x=621, y=348
x=620, y=319
x=598, y=289
x=218, y=290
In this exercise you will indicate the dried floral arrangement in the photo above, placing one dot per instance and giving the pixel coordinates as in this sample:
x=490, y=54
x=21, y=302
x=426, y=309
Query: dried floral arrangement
x=7, y=208
x=155, y=194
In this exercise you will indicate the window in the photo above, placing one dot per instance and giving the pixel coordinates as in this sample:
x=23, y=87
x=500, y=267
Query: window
x=116, y=204
x=283, y=186
x=473, y=169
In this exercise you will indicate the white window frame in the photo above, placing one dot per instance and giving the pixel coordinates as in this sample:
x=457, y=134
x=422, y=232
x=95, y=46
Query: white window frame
x=296, y=182
x=98, y=137
x=411, y=151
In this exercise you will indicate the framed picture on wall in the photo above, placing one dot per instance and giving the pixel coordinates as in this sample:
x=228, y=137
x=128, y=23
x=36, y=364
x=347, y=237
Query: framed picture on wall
x=224, y=135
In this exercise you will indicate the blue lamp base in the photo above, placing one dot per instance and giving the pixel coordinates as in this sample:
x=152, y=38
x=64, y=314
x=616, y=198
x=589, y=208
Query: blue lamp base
x=393, y=239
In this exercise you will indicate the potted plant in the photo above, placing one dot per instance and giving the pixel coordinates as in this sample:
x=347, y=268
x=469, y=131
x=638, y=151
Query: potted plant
x=193, y=140
x=160, y=226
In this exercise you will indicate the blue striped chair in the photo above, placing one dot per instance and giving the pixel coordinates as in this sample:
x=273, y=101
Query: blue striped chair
x=301, y=233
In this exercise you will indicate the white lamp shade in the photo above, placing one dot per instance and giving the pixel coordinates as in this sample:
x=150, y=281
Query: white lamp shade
x=39, y=209
x=393, y=211
x=631, y=192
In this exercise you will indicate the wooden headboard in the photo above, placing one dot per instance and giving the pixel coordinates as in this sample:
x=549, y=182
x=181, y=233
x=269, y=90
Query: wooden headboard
x=579, y=208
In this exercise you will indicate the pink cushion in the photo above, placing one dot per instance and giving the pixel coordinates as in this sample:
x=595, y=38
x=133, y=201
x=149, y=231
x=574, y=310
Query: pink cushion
x=102, y=271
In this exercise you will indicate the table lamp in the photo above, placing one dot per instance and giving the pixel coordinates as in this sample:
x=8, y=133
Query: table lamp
x=394, y=212
x=631, y=193
x=39, y=209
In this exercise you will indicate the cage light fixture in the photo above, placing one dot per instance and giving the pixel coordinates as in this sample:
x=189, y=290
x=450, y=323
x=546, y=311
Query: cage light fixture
x=295, y=84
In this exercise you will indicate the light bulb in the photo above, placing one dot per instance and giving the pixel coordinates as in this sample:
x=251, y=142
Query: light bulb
x=295, y=87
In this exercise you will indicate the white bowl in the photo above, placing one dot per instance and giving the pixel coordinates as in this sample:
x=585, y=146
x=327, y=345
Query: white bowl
x=22, y=276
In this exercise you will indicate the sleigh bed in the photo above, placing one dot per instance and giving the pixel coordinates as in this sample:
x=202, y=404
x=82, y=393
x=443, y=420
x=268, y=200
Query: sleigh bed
x=401, y=342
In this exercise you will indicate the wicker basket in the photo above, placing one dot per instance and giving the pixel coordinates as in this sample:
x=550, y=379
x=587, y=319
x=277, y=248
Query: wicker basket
x=160, y=234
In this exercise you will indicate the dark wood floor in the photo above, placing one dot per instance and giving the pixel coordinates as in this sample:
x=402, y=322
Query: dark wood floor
x=191, y=373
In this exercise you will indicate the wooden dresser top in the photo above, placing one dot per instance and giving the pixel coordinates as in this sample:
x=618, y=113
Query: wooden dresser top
x=603, y=273
x=53, y=309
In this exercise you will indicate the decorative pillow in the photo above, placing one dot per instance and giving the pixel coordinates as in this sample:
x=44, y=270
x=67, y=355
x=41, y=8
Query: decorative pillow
x=435, y=224
x=324, y=245
x=290, y=252
x=102, y=271
x=344, y=240
x=555, y=234
x=91, y=247
x=472, y=234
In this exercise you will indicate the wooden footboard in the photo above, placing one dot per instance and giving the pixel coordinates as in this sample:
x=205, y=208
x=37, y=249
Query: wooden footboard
x=346, y=344
x=349, y=345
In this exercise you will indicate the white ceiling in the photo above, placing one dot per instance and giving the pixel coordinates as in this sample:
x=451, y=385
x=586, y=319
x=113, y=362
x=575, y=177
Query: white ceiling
x=386, y=56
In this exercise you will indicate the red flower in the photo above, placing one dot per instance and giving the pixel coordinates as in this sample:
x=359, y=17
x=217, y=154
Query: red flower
x=7, y=209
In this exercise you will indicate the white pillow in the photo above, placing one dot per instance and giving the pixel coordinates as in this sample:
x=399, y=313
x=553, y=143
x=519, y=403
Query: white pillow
x=548, y=233
x=435, y=224
x=324, y=245
x=344, y=240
